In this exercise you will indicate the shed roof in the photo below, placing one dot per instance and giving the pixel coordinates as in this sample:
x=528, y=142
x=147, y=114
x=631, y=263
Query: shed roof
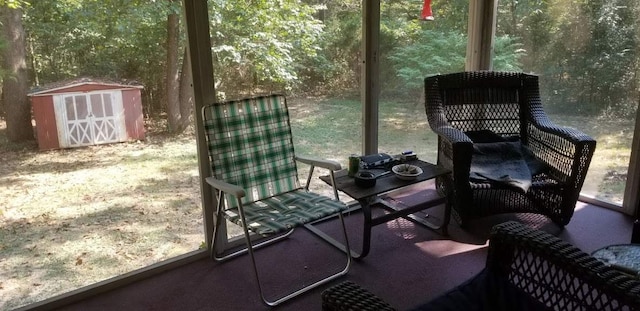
x=56, y=87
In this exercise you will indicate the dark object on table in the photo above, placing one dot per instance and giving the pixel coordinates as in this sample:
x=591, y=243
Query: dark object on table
x=259, y=189
x=375, y=160
x=505, y=107
x=526, y=269
x=365, y=179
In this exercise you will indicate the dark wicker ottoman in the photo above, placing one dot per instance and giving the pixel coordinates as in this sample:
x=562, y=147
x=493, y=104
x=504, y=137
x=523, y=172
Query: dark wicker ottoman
x=526, y=269
x=350, y=296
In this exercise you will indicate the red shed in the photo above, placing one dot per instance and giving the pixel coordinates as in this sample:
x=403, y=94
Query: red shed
x=87, y=112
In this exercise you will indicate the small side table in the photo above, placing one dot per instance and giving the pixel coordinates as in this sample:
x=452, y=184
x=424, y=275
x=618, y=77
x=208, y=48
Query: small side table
x=386, y=183
x=624, y=257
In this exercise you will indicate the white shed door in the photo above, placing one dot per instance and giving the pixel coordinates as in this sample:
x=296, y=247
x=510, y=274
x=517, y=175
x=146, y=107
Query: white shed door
x=90, y=118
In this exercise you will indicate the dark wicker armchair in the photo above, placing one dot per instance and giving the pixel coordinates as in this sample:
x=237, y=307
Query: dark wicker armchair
x=526, y=269
x=506, y=105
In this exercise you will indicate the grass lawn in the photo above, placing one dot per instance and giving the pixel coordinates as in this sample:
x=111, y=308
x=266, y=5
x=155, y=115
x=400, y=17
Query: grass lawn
x=69, y=218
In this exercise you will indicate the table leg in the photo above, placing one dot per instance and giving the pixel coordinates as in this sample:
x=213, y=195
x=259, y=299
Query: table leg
x=408, y=213
x=311, y=227
x=365, y=206
x=366, y=233
x=447, y=217
x=369, y=222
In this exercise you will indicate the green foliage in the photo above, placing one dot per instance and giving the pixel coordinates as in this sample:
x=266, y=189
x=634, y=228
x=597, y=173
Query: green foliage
x=115, y=39
x=13, y=4
x=585, y=51
x=336, y=68
x=258, y=45
x=434, y=52
x=507, y=54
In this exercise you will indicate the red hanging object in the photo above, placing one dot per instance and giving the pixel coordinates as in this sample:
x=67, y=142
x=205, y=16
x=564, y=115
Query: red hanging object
x=427, y=15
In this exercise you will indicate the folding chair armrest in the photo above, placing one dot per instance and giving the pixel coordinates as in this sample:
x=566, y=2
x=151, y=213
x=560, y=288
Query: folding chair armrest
x=328, y=164
x=226, y=187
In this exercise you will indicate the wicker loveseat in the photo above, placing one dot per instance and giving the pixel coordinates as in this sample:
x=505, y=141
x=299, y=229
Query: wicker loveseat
x=504, y=107
x=526, y=269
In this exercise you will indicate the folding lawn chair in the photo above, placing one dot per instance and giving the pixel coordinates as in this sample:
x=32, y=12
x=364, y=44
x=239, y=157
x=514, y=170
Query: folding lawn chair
x=255, y=176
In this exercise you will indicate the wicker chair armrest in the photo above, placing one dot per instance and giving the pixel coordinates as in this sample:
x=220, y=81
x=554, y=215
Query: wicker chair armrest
x=436, y=116
x=553, y=143
x=573, y=136
x=455, y=152
x=545, y=136
x=556, y=273
x=538, y=118
x=455, y=147
x=323, y=163
x=452, y=135
x=544, y=124
x=225, y=187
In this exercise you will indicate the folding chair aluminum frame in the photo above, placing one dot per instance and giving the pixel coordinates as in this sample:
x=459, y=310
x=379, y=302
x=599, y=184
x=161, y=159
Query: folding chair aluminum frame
x=223, y=187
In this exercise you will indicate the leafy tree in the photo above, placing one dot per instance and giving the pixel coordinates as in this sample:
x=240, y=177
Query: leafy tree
x=441, y=51
x=595, y=58
x=259, y=45
x=507, y=54
x=444, y=52
x=178, y=112
x=434, y=52
x=15, y=82
x=336, y=67
x=529, y=22
x=112, y=39
x=3, y=72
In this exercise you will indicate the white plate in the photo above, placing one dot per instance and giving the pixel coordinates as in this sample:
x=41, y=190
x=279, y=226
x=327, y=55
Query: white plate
x=406, y=171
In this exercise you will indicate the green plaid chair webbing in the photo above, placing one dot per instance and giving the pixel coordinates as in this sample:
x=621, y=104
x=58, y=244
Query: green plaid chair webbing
x=250, y=145
x=285, y=211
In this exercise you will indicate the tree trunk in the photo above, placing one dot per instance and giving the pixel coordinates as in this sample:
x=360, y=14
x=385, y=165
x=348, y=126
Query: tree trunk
x=15, y=84
x=172, y=88
x=186, y=92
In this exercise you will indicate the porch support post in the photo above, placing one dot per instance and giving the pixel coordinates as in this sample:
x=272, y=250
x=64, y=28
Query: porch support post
x=370, y=87
x=197, y=22
x=481, y=34
x=631, y=198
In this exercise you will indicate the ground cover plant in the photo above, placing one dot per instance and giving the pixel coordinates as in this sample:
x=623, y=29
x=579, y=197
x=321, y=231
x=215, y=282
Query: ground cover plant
x=70, y=218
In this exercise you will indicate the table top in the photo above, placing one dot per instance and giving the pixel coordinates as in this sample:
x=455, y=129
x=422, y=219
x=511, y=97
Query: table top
x=386, y=182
